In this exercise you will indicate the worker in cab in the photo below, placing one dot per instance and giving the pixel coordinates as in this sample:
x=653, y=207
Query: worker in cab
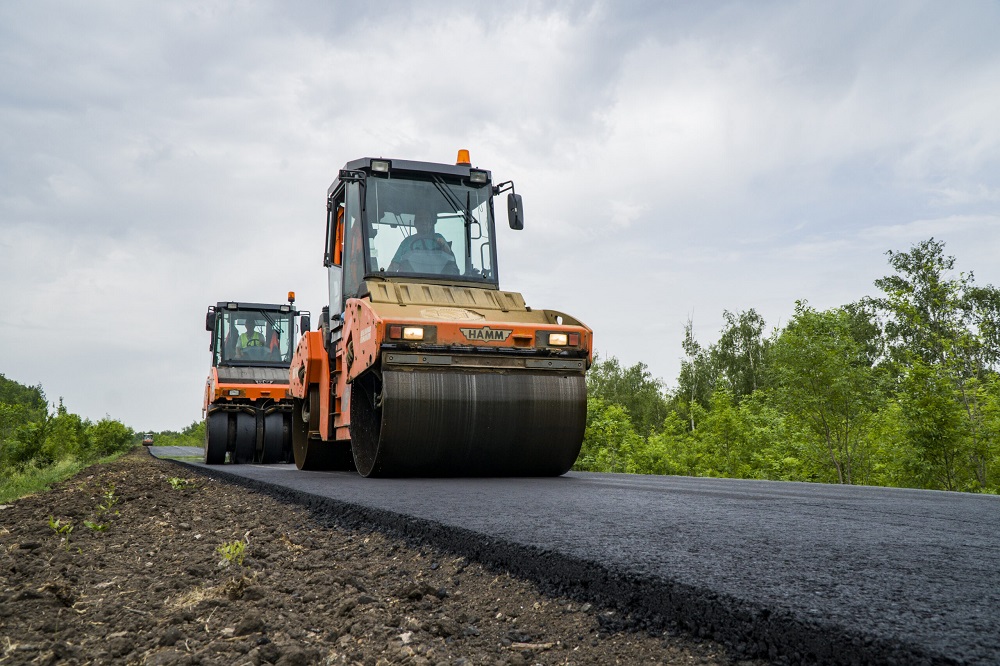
x=425, y=251
x=250, y=338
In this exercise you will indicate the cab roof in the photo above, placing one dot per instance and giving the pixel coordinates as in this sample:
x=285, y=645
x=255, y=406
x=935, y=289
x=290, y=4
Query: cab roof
x=267, y=307
x=365, y=164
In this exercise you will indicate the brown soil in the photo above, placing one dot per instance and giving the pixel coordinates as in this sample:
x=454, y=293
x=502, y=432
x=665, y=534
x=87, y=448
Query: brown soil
x=146, y=583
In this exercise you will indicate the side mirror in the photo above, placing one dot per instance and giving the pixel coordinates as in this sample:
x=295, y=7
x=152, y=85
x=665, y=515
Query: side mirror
x=515, y=213
x=210, y=321
x=304, y=323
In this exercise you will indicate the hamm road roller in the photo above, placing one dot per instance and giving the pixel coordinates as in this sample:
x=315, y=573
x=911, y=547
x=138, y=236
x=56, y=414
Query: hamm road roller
x=421, y=364
x=247, y=404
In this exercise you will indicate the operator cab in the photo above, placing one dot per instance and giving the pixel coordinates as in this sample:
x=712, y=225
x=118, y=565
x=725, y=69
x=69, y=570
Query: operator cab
x=252, y=334
x=400, y=220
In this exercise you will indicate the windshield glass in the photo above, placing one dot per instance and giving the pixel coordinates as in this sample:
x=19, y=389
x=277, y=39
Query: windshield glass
x=429, y=227
x=253, y=336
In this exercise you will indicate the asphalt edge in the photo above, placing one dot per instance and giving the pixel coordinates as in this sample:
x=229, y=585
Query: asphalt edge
x=748, y=630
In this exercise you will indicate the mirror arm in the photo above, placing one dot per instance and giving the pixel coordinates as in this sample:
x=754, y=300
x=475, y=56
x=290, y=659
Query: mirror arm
x=500, y=188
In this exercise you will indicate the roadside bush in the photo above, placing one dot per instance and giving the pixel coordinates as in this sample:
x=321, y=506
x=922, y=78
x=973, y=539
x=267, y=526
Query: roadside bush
x=24, y=446
x=108, y=436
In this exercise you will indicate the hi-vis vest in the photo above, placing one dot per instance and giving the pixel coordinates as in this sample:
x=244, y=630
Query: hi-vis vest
x=255, y=339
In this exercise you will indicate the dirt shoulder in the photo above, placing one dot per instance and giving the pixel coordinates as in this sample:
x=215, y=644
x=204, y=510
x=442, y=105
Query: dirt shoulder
x=148, y=582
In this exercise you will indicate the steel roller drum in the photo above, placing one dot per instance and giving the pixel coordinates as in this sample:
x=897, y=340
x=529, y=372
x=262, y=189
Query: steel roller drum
x=467, y=423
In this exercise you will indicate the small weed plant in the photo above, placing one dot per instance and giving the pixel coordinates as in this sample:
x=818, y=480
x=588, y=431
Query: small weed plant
x=97, y=527
x=62, y=529
x=177, y=483
x=108, y=500
x=232, y=552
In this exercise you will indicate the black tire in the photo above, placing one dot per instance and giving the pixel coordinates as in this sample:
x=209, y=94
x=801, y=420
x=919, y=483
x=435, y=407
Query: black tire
x=276, y=432
x=366, y=421
x=312, y=453
x=216, y=432
x=246, y=438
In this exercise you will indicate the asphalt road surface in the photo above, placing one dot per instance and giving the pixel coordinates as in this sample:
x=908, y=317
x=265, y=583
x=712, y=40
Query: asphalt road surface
x=791, y=571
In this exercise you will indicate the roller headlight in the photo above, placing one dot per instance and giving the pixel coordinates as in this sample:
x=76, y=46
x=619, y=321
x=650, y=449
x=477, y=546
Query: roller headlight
x=558, y=339
x=399, y=332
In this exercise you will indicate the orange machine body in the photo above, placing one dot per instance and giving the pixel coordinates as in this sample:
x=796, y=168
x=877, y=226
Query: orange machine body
x=491, y=321
x=217, y=391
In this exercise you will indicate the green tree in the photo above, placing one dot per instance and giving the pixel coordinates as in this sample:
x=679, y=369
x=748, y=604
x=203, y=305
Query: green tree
x=108, y=436
x=676, y=449
x=824, y=379
x=943, y=340
x=11, y=417
x=776, y=449
x=634, y=389
x=987, y=458
x=670, y=451
x=726, y=438
x=935, y=426
x=65, y=436
x=609, y=440
x=697, y=377
x=741, y=353
x=26, y=444
x=20, y=407
x=30, y=397
x=928, y=312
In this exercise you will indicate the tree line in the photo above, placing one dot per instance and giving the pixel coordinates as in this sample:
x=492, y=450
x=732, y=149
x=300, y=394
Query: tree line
x=897, y=389
x=39, y=444
x=192, y=435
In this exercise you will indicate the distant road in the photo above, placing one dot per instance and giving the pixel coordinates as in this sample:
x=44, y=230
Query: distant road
x=175, y=451
x=816, y=573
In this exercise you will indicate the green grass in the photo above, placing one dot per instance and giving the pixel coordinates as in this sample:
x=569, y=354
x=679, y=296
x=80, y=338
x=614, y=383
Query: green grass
x=32, y=479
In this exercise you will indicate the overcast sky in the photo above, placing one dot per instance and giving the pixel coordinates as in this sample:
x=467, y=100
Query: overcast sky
x=676, y=160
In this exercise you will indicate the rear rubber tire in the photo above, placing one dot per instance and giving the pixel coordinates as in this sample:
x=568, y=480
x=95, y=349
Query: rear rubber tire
x=312, y=453
x=275, y=434
x=216, y=431
x=366, y=421
x=246, y=438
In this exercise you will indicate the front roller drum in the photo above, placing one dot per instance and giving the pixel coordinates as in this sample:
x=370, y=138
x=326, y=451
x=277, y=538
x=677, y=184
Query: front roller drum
x=460, y=423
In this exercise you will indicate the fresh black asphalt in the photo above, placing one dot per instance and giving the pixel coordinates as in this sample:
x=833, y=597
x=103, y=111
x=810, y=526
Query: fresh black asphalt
x=794, y=572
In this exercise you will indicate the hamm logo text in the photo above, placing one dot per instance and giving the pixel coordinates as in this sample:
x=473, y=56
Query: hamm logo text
x=486, y=334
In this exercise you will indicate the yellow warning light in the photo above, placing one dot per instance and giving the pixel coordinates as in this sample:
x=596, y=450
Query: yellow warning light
x=463, y=158
x=291, y=297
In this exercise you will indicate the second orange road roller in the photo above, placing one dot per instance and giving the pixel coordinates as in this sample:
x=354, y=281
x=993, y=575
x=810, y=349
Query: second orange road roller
x=247, y=406
x=421, y=364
